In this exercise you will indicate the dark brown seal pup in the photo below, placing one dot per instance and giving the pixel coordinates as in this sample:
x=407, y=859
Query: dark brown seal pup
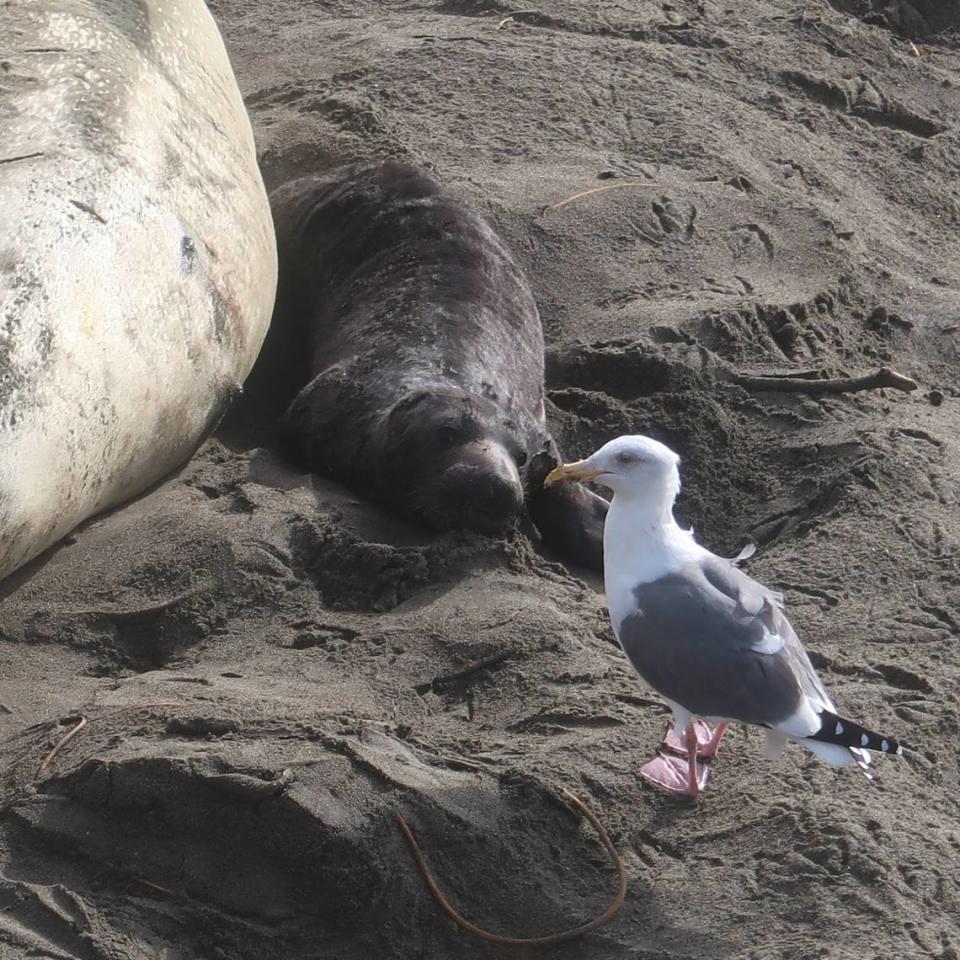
x=412, y=343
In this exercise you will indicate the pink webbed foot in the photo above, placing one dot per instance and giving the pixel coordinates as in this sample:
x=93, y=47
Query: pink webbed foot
x=685, y=776
x=708, y=741
x=673, y=775
x=676, y=741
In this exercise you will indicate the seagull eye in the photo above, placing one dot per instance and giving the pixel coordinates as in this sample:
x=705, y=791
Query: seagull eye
x=626, y=458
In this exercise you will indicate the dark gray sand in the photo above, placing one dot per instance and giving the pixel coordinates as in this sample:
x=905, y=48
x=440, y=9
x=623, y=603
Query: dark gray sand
x=793, y=207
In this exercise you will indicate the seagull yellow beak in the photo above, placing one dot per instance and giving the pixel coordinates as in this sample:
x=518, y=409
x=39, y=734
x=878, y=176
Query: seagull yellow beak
x=572, y=471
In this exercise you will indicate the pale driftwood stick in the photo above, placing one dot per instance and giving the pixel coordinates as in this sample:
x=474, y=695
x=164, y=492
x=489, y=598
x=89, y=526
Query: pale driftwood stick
x=516, y=13
x=884, y=377
x=630, y=185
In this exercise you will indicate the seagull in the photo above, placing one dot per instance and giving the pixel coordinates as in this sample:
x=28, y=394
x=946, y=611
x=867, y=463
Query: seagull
x=713, y=642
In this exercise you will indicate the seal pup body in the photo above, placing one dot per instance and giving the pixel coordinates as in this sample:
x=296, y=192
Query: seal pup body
x=137, y=256
x=418, y=345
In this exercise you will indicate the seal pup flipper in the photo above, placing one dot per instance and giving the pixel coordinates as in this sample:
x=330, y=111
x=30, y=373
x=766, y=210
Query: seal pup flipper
x=568, y=516
x=315, y=429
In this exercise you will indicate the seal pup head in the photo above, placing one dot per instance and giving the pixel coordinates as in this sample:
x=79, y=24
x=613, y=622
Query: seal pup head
x=454, y=460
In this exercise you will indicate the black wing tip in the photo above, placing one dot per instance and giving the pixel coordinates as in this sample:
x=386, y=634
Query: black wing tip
x=847, y=733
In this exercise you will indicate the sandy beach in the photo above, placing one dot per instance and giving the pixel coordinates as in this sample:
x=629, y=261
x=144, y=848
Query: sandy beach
x=272, y=670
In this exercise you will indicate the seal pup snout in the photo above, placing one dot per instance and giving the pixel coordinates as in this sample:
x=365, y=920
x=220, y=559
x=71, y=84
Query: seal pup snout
x=481, y=489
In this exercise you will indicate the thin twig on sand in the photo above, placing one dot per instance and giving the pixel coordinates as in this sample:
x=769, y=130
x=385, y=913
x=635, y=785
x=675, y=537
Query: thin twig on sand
x=547, y=941
x=64, y=740
x=450, y=681
x=84, y=722
x=141, y=613
x=455, y=761
x=884, y=377
x=632, y=184
x=160, y=887
x=500, y=623
x=509, y=18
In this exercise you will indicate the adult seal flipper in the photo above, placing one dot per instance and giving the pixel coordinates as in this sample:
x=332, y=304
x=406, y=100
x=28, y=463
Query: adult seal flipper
x=137, y=255
x=407, y=351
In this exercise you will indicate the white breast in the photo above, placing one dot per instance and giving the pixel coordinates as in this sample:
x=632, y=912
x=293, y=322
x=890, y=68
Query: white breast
x=635, y=552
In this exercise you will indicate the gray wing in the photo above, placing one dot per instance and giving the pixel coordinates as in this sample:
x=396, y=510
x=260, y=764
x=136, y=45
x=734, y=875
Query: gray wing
x=715, y=641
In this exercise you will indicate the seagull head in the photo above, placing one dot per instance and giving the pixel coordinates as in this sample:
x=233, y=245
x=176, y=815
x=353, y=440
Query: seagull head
x=633, y=467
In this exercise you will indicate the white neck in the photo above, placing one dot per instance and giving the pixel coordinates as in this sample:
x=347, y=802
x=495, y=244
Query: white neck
x=646, y=511
x=641, y=542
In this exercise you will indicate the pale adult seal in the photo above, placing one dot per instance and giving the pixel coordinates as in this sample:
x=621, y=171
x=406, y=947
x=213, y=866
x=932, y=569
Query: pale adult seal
x=413, y=340
x=137, y=255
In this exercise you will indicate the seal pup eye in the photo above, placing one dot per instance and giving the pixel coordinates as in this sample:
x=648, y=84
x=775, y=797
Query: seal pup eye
x=446, y=436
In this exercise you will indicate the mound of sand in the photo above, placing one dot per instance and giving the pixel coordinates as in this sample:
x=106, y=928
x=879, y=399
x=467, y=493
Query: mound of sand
x=303, y=668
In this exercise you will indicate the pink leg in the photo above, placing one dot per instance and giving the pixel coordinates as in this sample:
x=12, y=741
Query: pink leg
x=692, y=762
x=708, y=741
x=709, y=749
x=680, y=777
